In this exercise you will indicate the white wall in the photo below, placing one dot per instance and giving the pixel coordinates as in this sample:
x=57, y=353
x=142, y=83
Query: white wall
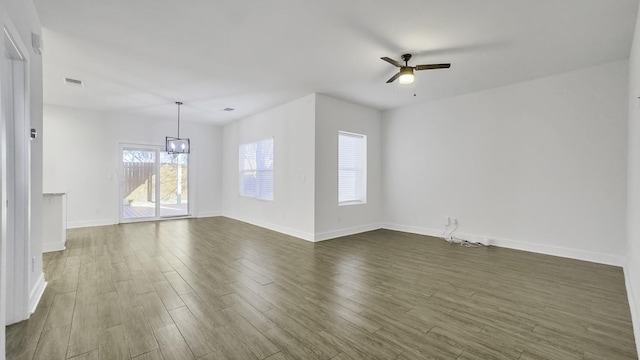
x=632, y=268
x=538, y=166
x=78, y=160
x=332, y=116
x=292, y=127
x=81, y=157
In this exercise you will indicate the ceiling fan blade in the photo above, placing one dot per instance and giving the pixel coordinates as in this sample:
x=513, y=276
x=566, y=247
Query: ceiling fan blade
x=393, y=78
x=432, y=66
x=392, y=62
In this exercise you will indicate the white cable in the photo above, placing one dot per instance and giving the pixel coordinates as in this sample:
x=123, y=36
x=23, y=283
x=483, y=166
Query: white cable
x=454, y=240
x=450, y=237
x=469, y=244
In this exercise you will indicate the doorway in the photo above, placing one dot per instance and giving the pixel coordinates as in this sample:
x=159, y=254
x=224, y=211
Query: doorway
x=16, y=183
x=153, y=184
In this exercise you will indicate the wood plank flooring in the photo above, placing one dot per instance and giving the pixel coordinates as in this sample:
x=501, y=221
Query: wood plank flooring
x=216, y=288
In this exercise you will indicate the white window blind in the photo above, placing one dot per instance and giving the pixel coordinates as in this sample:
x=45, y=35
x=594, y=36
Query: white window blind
x=256, y=169
x=352, y=168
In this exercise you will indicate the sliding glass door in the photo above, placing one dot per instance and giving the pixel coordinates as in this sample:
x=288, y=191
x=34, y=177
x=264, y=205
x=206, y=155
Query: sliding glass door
x=174, y=184
x=154, y=184
x=138, y=184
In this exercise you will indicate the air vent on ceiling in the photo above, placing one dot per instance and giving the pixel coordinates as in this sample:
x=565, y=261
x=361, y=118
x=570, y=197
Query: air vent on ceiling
x=73, y=82
x=229, y=109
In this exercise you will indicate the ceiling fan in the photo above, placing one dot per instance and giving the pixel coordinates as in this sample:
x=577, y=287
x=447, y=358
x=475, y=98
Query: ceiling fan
x=406, y=72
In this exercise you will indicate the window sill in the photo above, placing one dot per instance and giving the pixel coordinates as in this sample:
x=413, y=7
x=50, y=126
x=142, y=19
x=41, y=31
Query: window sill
x=354, y=202
x=254, y=197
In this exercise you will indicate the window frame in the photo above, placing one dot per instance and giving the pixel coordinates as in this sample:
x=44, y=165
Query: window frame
x=244, y=160
x=359, y=170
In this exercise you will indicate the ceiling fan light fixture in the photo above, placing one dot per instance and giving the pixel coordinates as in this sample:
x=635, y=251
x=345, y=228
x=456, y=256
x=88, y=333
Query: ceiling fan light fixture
x=406, y=76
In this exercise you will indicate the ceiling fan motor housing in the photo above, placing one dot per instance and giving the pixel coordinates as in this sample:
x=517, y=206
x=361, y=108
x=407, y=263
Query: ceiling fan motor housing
x=406, y=70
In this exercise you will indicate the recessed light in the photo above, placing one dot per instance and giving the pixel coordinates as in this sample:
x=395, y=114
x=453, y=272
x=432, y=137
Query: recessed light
x=73, y=82
x=228, y=109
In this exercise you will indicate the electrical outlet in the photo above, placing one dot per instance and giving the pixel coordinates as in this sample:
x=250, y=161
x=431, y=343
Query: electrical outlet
x=447, y=220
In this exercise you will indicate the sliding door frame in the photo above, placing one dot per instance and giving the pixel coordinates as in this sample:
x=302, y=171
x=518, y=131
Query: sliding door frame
x=158, y=150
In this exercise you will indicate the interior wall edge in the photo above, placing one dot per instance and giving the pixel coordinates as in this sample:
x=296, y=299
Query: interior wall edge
x=635, y=317
x=36, y=293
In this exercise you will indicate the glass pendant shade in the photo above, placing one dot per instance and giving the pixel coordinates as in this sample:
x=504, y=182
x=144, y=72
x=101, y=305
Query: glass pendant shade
x=176, y=145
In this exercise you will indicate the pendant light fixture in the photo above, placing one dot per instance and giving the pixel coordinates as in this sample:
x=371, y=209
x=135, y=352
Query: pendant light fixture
x=176, y=145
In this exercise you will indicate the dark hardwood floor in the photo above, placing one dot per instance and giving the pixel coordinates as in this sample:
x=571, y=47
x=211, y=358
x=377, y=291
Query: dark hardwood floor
x=216, y=288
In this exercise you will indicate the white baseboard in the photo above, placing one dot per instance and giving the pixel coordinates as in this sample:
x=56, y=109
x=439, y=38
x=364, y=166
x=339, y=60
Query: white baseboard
x=345, y=232
x=608, y=259
x=49, y=247
x=207, y=214
x=413, y=229
x=302, y=234
x=106, y=222
x=634, y=306
x=36, y=293
x=275, y=227
x=90, y=223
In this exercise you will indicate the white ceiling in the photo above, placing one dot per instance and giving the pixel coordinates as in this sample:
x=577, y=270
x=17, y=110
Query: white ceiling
x=140, y=56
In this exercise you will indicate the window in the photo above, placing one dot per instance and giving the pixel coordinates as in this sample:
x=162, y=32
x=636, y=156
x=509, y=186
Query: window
x=256, y=169
x=352, y=168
